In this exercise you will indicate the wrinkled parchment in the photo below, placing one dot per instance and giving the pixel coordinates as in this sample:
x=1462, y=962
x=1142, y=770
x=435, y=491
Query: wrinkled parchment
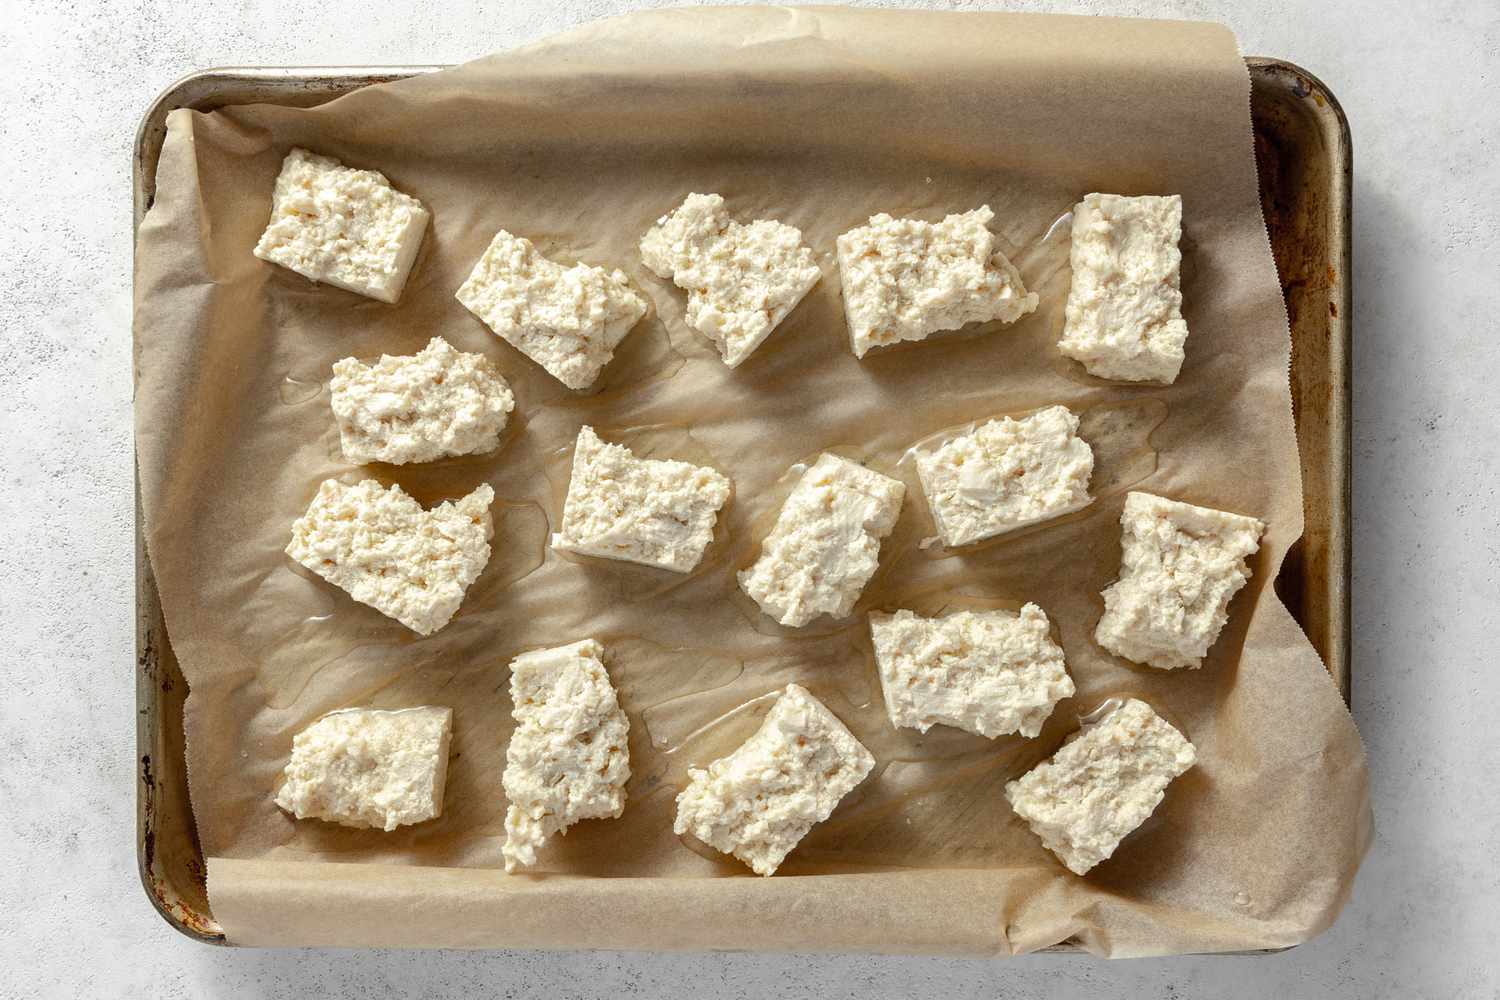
x=818, y=117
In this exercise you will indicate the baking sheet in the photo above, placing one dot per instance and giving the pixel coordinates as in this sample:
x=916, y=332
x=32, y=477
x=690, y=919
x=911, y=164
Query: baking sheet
x=800, y=56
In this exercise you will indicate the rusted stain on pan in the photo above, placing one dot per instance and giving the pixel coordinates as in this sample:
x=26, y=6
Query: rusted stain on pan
x=1303, y=155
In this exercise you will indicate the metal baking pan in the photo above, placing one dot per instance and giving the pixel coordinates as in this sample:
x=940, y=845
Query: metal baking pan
x=1302, y=152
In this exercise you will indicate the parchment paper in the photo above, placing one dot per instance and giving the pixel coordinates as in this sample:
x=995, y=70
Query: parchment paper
x=819, y=117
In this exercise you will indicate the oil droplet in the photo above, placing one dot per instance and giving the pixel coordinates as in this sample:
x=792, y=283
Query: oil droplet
x=296, y=390
x=1096, y=714
x=752, y=707
x=1120, y=434
x=1058, y=224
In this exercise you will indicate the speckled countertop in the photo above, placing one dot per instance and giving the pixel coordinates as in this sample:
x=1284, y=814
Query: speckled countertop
x=1421, y=85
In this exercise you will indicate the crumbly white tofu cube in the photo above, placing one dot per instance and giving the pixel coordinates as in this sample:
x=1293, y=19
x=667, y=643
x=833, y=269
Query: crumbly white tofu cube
x=1124, y=314
x=433, y=404
x=569, y=756
x=569, y=320
x=1180, y=565
x=760, y=801
x=650, y=511
x=1006, y=474
x=1102, y=784
x=381, y=547
x=344, y=227
x=988, y=672
x=905, y=279
x=366, y=767
x=825, y=544
x=741, y=278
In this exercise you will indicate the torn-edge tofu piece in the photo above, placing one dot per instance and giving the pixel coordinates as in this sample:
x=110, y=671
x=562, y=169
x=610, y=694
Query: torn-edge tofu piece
x=1102, y=784
x=825, y=544
x=905, y=279
x=760, y=801
x=1179, y=567
x=436, y=403
x=1124, y=313
x=569, y=756
x=992, y=673
x=1007, y=474
x=344, y=227
x=643, y=510
x=381, y=547
x=368, y=767
x=741, y=278
x=569, y=320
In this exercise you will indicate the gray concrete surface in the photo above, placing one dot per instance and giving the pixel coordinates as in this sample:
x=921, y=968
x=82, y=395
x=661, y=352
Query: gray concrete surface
x=1421, y=83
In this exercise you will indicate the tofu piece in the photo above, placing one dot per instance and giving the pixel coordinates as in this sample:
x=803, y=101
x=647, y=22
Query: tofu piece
x=760, y=801
x=1124, y=314
x=381, y=547
x=569, y=320
x=569, y=756
x=367, y=767
x=741, y=278
x=433, y=404
x=1007, y=474
x=825, y=544
x=905, y=279
x=344, y=227
x=654, y=512
x=1179, y=567
x=992, y=673
x=1102, y=784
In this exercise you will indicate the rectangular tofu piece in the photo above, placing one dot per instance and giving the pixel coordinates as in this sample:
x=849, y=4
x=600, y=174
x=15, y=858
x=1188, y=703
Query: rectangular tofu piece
x=1179, y=567
x=654, y=512
x=1124, y=314
x=905, y=279
x=381, y=547
x=825, y=544
x=741, y=279
x=1007, y=474
x=433, y=404
x=366, y=767
x=1102, y=784
x=759, y=802
x=344, y=227
x=992, y=673
x=569, y=756
x=569, y=320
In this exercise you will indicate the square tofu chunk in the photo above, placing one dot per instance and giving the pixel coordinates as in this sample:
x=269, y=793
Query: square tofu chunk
x=1007, y=474
x=1180, y=565
x=381, y=547
x=988, y=672
x=1124, y=313
x=760, y=801
x=569, y=320
x=433, y=404
x=1102, y=784
x=741, y=279
x=569, y=757
x=905, y=279
x=366, y=767
x=825, y=544
x=641, y=510
x=345, y=227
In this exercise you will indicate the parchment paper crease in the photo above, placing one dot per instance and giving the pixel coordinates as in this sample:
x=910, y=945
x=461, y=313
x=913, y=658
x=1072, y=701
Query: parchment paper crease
x=819, y=117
